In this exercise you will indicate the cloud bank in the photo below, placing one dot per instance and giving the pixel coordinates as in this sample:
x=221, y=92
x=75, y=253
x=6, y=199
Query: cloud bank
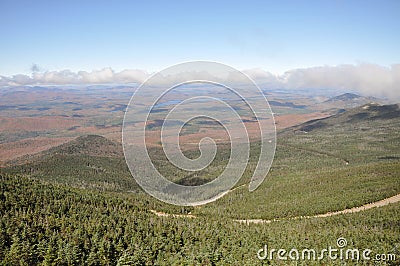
x=367, y=79
x=105, y=75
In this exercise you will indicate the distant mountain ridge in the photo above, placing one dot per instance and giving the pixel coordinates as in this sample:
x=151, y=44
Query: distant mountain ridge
x=364, y=113
x=344, y=97
x=350, y=100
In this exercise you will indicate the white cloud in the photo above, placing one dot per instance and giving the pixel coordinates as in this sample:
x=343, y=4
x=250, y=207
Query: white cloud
x=55, y=77
x=131, y=75
x=105, y=75
x=97, y=76
x=367, y=79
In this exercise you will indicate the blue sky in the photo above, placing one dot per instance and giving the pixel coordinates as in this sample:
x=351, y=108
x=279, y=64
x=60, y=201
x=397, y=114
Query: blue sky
x=151, y=35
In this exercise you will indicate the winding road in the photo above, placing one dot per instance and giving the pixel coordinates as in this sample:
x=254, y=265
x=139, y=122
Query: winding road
x=368, y=206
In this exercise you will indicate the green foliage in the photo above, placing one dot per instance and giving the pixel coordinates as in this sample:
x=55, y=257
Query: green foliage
x=45, y=224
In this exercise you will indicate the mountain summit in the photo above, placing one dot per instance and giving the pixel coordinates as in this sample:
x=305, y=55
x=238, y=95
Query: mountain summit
x=344, y=97
x=349, y=100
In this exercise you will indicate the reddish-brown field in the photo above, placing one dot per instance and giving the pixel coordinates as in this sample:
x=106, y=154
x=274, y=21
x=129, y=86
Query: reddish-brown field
x=45, y=123
x=284, y=121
